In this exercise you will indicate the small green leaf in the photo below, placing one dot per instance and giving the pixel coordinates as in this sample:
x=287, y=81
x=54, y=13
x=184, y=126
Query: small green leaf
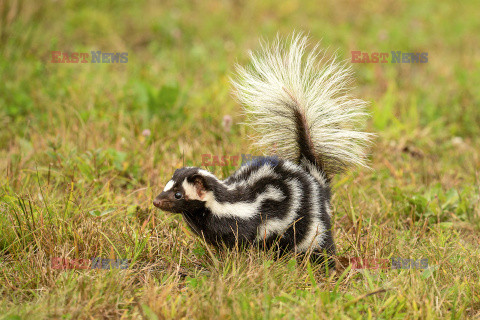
x=292, y=263
x=429, y=271
x=149, y=312
x=97, y=213
x=191, y=282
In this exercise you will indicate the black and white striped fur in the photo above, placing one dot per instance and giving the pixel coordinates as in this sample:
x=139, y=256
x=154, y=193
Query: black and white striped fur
x=303, y=113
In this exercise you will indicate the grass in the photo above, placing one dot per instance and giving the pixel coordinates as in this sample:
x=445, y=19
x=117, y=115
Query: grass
x=79, y=175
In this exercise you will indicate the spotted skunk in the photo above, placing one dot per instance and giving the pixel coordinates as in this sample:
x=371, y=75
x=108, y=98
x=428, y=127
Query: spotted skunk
x=300, y=106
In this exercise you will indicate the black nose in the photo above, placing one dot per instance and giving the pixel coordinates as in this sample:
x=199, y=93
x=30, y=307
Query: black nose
x=157, y=202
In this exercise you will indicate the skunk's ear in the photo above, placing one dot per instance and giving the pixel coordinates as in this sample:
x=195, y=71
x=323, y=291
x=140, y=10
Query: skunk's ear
x=200, y=184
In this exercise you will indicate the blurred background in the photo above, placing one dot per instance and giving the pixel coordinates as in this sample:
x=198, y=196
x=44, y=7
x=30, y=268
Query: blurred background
x=181, y=53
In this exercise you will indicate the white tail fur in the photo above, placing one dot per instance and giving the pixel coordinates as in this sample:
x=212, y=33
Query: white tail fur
x=284, y=78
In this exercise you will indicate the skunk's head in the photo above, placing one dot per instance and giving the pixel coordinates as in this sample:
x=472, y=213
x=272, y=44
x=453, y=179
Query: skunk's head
x=185, y=192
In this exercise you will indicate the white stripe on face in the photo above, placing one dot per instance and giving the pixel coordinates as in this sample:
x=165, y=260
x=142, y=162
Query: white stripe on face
x=190, y=191
x=169, y=185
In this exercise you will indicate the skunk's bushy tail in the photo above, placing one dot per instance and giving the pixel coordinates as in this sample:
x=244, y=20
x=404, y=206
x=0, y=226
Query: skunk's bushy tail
x=300, y=106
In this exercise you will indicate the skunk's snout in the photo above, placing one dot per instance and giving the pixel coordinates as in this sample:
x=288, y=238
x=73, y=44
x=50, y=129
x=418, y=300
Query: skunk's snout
x=164, y=202
x=160, y=200
x=157, y=202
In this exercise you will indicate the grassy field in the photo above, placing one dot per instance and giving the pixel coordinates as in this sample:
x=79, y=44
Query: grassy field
x=79, y=168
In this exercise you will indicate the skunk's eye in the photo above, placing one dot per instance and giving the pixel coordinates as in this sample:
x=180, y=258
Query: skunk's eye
x=178, y=195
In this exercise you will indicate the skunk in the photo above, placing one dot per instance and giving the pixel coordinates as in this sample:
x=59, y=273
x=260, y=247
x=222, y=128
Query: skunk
x=300, y=106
